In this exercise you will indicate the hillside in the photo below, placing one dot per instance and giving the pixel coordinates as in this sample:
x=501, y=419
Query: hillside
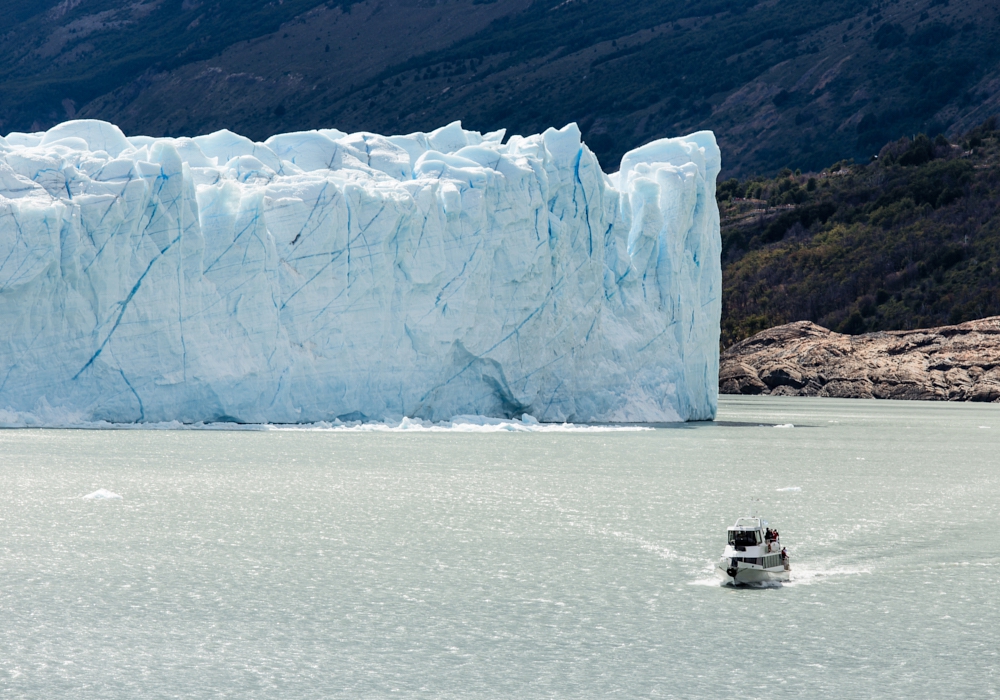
x=797, y=83
x=909, y=240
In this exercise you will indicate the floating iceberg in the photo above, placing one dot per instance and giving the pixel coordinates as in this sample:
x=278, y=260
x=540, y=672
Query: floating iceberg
x=101, y=494
x=321, y=276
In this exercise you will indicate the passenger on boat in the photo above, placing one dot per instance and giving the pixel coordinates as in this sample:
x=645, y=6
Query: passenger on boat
x=768, y=535
x=784, y=554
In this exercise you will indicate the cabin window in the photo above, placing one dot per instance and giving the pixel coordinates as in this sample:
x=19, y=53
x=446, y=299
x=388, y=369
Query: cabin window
x=747, y=538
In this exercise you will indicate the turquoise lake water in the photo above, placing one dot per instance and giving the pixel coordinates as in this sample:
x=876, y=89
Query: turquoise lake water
x=448, y=564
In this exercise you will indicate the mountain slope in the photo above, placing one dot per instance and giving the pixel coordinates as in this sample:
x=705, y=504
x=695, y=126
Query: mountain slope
x=783, y=82
x=911, y=240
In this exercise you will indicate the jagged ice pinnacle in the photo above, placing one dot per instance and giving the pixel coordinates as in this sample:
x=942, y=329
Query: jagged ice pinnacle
x=322, y=275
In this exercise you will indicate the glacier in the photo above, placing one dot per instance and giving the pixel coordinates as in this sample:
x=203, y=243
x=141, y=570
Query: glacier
x=324, y=276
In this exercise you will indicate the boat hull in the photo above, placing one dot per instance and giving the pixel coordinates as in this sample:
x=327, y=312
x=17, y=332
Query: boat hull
x=750, y=575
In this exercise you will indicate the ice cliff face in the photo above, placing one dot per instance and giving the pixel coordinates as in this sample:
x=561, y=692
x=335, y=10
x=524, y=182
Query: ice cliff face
x=320, y=275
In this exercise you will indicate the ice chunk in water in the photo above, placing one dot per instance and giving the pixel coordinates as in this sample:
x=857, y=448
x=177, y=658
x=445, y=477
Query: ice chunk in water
x=101, y=494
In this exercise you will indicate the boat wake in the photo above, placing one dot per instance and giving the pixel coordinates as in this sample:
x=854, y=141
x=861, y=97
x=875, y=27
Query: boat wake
x=800, y=576
x=806, y=576
x=642, y=543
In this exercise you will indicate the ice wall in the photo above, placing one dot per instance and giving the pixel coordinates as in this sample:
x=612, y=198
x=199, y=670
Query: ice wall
x=321, y=275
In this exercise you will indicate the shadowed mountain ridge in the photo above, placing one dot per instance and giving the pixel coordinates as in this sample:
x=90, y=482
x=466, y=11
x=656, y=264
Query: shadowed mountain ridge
x=782, y=82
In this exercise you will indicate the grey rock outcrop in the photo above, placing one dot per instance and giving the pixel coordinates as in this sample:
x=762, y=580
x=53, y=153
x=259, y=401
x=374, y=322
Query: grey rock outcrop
x=951, y=363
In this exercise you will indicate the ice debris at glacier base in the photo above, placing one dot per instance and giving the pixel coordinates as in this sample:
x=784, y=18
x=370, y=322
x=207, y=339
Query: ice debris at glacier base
x=456, y=424
x=321, y=276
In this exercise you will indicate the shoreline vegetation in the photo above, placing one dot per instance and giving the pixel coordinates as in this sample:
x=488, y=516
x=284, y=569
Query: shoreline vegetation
x=909, y=240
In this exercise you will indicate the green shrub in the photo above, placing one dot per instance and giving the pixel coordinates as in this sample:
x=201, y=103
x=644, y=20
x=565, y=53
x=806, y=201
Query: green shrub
x=885, y=246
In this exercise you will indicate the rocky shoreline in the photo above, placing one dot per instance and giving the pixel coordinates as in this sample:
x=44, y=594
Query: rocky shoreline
x=951, y=363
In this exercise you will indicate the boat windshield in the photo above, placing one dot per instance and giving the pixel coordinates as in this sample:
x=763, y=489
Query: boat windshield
x=744, y=538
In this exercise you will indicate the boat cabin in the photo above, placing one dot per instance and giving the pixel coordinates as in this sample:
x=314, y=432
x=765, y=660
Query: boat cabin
x=747, y=532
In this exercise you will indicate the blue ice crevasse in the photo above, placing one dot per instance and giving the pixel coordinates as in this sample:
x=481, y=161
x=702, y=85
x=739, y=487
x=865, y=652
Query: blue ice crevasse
x=323, y=275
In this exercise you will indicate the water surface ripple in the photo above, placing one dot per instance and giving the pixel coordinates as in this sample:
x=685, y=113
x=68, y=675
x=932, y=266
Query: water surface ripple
x=325, y=564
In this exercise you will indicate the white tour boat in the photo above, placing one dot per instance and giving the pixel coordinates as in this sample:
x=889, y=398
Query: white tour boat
x=753, y=554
